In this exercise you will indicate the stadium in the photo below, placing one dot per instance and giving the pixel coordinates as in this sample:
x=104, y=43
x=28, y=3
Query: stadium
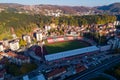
x=67, y=48
x=62, y=48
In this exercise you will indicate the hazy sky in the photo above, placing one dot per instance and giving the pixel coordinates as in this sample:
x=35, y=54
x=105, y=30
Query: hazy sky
x=63, y=2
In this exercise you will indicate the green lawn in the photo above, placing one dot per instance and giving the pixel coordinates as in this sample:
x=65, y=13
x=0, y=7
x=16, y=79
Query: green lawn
x=64, y=46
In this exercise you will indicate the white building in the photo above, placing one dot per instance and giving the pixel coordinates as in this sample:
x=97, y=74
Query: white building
x=14, y=45
x=14, y=36
x=64, y=54
x=105, y=48
x=39, y=77
x=26, y=77
x=15, y=58
x=47, y=28
x=39, y=36
x=6, y=43
x=114, y=42
x=116, y=22
x=27, y=38
x=1, y=47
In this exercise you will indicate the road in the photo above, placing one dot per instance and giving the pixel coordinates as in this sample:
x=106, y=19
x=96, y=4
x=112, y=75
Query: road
x=109, y=63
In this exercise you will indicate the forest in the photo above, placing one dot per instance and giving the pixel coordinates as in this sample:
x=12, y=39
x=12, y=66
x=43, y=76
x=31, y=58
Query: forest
x=25, y=23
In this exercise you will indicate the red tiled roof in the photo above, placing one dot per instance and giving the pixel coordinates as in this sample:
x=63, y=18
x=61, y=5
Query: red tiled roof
x=1, y=53
x=55, y=72
x=11, y=54
x=79, y=69
x=78, y=65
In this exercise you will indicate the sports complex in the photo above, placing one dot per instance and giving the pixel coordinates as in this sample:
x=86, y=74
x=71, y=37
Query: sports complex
x=68, y=48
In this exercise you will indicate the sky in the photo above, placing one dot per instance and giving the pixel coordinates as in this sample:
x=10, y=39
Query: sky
x=89, y=3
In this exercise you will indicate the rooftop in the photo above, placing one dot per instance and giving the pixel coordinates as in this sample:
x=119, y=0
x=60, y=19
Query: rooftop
x=70, y=53
x=55, y=72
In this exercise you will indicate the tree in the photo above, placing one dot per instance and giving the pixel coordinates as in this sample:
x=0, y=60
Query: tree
x=22, y=42
x=25, y=68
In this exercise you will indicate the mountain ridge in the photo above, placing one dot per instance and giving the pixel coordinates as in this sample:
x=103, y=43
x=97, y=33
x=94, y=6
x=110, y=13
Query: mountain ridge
x=46, y=9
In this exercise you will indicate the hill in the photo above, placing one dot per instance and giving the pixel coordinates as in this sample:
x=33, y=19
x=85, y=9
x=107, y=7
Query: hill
x=63, y=10
x=115, y=7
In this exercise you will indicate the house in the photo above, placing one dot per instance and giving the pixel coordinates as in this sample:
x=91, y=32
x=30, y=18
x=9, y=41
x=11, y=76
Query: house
x=18, y=59
x=15, y=58
x=38, y=36
x=114, y=42
x=14, y=45
x=35, y=77
x=27, y=38
x=1, y=47
x=6, y=42
x=2, y=74
x=38, y=77
x=3, y=60
x=55, y=73
x=79, y=68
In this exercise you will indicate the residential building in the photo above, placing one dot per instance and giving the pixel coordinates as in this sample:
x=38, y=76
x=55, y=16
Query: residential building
x=38, y=77
x=114, y=42
x=116, y=22
x=27, y=38
x=14, y=45
x=2, y=74
x=18, y=59
x=79, y=68
x=39, y=36
x=6, y=42
x=15, y=58
x=3, y=60
x=55, y=73
x=47, y=28
x=1, y=47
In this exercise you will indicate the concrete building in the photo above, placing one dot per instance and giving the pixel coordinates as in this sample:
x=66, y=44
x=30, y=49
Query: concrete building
x=39, y=36
x=38, y=77
x=105, y=48
x=15, y=58
x=2, y=74
x=79, y=68
x=116, y=23
x=1, y=47
x=114, y=42
x=6, y=42
x=14, y=45
x=27, y=38
x=55, y=73
x=60, y=55
x=47, y=28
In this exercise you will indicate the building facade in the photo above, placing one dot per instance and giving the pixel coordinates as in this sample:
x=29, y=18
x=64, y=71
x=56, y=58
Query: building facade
x=1, y=47
x=27, y=38
x=14, y=45
x=39, y=36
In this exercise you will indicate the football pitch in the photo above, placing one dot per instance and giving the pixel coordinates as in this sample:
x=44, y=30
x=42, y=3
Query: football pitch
x=65, y=46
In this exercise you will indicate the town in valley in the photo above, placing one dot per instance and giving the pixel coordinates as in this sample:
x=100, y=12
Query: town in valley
x=55, y=42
